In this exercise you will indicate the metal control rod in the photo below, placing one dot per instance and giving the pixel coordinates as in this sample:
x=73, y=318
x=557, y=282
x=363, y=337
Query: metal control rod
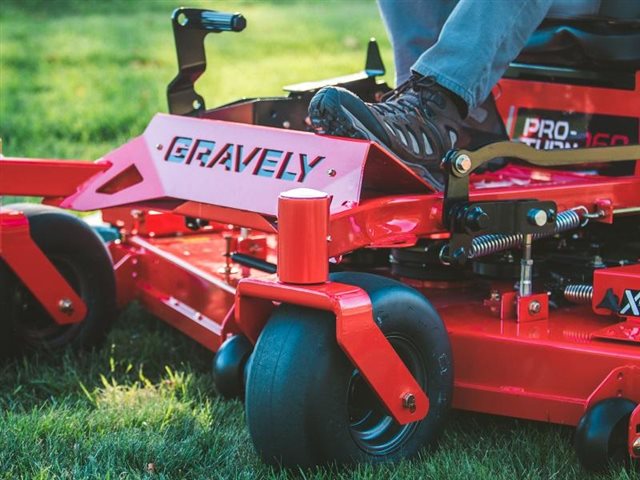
x=525, y=286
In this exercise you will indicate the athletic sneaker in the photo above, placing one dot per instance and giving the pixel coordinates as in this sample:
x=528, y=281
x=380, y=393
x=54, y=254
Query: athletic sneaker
x=419, y=122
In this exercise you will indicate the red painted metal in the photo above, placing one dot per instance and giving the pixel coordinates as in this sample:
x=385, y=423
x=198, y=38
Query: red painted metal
x=628, y=331
x=545, y=370
x=548, y=366
x=604, y=208
x=152, y=223
x=226, y=215
x=36, y=271
x=560, y=365
x=186, y=280
x=303, y=251
x=45, y=178
x=181, y=280
x=398, y=220
x=356, y=332
x=254, y=245
x=185, y=158
x=616, y=279
x=509, y=305
x=532, y=308
x=125, y=271
x=511, y=94
x=139, y=221
x=621, y=382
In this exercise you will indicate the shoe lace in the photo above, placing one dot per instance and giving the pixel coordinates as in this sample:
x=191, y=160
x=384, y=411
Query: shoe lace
x=415, y=82
x=394, y=100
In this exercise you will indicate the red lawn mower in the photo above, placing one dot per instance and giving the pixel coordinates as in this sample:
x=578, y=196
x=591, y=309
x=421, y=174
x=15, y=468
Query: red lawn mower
x=350, y=302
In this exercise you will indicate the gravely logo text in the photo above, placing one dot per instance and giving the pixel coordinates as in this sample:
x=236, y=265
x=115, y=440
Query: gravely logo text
x=234, y=157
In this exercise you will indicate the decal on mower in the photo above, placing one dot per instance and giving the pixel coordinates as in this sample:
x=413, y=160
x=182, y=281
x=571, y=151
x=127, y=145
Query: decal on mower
x=630, y=303
x=260, y=161
x=550, y=129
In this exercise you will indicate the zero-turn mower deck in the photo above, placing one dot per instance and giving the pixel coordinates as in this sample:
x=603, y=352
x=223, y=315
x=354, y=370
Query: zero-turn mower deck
x=260, y=243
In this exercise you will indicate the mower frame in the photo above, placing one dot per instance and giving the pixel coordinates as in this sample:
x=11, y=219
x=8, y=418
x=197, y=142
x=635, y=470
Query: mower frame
x=510, y=358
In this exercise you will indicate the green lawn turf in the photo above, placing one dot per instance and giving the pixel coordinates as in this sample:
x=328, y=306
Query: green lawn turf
x=77, y=79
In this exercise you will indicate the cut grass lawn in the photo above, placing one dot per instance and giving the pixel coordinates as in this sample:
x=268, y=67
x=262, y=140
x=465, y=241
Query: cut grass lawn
x=79, y=79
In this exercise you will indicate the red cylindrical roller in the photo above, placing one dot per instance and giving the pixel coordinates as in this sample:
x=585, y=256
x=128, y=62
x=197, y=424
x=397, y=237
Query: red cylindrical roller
x=303, y=224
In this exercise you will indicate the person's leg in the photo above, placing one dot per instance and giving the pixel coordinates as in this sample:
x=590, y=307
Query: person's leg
x=423, y=118
x=413, y=27
x=477, y=42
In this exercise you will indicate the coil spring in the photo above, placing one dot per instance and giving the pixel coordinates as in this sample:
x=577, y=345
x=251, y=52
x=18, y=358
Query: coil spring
x=488, y=244
x=578, y=293
x=567, y=220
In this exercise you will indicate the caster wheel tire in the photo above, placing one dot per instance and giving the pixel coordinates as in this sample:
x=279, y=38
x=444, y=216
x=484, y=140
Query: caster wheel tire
x=601, y=435
x=81, y=257
x=306, y=404
x=229, y=366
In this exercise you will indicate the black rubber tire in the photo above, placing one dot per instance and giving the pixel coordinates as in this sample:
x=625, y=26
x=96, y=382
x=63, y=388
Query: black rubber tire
x=82, y=258
x=7, y=284
x=300, y=398
x=601, y=434
x=229, y=366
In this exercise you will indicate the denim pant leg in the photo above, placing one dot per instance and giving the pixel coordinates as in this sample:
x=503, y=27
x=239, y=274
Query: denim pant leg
x=477, y=42
x=413, y=27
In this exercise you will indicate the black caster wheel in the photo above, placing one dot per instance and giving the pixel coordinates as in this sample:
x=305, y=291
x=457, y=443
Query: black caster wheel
x=81, y=257
x=601, y=435
x=229, y=366
x=306, y=404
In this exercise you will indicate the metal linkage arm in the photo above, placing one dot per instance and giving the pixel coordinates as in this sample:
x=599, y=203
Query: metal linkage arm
x=464, y=162
x=466, y=220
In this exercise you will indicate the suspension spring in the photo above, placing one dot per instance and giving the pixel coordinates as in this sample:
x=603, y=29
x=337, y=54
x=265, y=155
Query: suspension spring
x=492, y=243
x=578, y=293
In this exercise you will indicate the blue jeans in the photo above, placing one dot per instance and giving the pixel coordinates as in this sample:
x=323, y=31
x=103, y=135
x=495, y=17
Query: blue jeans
x=466, y=45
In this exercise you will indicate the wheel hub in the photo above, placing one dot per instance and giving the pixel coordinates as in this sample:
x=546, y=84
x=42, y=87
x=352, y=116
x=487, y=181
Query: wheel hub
x=371, y=426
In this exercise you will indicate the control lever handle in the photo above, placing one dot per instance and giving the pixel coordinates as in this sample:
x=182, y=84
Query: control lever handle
x=209, y=20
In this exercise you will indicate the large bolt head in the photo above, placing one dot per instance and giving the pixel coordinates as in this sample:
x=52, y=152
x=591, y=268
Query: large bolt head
x=535, y=307
x=409, y=402
x=462, y=163
x=477, y=219
x=537, y=217
x=65, y=306
x=636, y=447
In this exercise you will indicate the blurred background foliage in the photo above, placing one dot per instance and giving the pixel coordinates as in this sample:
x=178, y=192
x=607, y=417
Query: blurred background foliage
x=78, y=78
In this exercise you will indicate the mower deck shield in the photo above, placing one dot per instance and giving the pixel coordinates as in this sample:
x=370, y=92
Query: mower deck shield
x=243, y=167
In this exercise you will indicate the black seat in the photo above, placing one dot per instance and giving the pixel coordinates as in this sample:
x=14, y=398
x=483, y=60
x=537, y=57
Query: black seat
x=609, y=38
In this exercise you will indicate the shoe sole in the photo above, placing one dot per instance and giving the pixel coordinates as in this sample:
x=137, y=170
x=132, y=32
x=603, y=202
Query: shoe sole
x=329, y=116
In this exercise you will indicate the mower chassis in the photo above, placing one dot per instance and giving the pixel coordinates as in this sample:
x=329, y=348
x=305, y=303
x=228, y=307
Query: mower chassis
x=543, y=366
x=551, y=369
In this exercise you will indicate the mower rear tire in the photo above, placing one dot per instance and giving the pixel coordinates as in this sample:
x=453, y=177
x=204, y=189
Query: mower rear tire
x=306, y=404
x=82, y=258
